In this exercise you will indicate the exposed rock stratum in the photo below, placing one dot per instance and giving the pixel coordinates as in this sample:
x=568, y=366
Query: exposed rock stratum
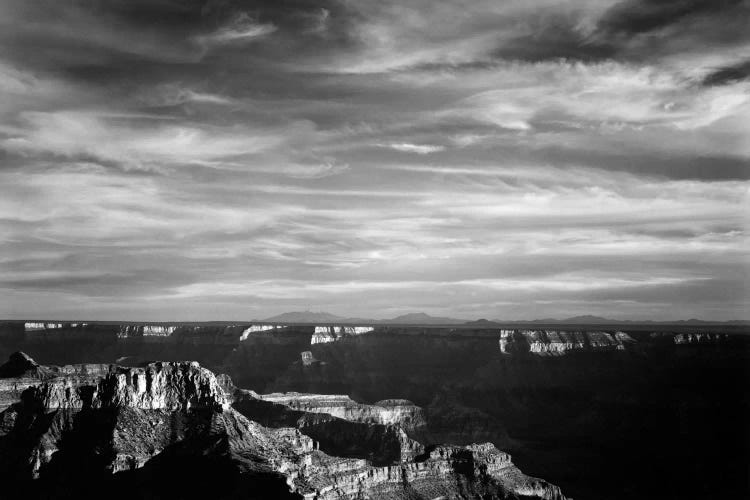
x=139, y=430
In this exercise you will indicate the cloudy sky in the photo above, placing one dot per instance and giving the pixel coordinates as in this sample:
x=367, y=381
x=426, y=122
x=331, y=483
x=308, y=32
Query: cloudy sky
x=227, y=159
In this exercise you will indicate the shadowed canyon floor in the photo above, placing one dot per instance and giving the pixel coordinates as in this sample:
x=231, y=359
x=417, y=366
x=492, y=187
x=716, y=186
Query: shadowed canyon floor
x=602, y=414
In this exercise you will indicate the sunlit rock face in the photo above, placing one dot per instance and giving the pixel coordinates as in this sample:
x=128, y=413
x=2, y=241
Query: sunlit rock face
x=158, y=386
x=325, y=334
x=88, y=425
x=130, y=331
x=385, y=412
x=558, y=342
x=307, y=358
x=380, y=429
x=506, y=338
x=357, y=436
x=624, y=340
x=258, y=329
x=700, y=338
x=495, y=477
x=33, y=327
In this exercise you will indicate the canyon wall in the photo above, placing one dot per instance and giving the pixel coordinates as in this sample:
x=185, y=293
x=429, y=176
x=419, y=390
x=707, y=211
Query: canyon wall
x=129, y=431
x=562, y=409
x=561, y=342
x=325, y=334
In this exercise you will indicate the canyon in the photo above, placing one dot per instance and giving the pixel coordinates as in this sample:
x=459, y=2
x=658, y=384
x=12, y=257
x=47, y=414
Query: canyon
x=126, y=428
x=622, y=412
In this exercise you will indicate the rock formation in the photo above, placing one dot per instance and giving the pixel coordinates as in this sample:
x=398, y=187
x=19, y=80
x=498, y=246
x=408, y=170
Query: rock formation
x=325, y=334
x=93, y=424
x=624, y=340
x=699, y=338
x=559, y=342
x=386, y=412
x=253, y=329
x=128, y=331
x=563, y=417
x=33, y=327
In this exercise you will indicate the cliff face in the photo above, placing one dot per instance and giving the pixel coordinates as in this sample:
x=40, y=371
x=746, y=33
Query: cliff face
x=325, y=334
x=255, y=329
x=564, y=411
x=125, y=414
x=433, y=475
x=558, y=342
x=158, y=386
x=129, y=331
x=564, y=417
x=700, y=338
x=99, y=423
x=387, y=412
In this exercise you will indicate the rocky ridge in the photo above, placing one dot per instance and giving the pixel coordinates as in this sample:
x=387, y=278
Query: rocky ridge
x=387, y=412
x=145, y=420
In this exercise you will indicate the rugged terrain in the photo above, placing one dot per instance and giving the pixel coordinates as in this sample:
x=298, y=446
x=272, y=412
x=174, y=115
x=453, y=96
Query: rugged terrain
x=602, y=413
x=75, y=430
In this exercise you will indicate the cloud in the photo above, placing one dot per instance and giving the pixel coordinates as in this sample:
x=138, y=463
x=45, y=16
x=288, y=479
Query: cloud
x=242, y=29
x=484, y=158
x=420, y=149
x=729, y=74
x=124, y=139
x=639, y=16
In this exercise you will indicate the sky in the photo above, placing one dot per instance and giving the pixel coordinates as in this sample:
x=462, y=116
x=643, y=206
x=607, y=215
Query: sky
x=224, y=159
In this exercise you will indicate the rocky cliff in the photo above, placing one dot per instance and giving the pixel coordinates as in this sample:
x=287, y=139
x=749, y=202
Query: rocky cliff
x=680, y=406
x=559, y=342
x=128, y=429
x=386, y=412
x=700, y=338
x=325, y=334
x=129, y=331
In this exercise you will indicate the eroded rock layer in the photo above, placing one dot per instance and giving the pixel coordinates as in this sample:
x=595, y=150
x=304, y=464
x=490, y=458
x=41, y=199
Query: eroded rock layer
x=325, y=334
x=386, y=412
x=700, y=338
x=560, y=342
x=95, y=424
x=679, y=405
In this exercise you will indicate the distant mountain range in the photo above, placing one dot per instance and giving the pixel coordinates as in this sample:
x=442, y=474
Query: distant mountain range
x=420, y=318
x=598, y=320
x=309, y=317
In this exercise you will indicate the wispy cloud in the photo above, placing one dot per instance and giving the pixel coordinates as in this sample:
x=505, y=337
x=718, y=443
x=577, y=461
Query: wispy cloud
x=495, y=159
x=242, y=29
x=421, y=149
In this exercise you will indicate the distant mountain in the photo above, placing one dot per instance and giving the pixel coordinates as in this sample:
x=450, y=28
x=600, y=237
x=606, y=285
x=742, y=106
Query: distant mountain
x=306, y=317
x=421, y=318
x=588, y=319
